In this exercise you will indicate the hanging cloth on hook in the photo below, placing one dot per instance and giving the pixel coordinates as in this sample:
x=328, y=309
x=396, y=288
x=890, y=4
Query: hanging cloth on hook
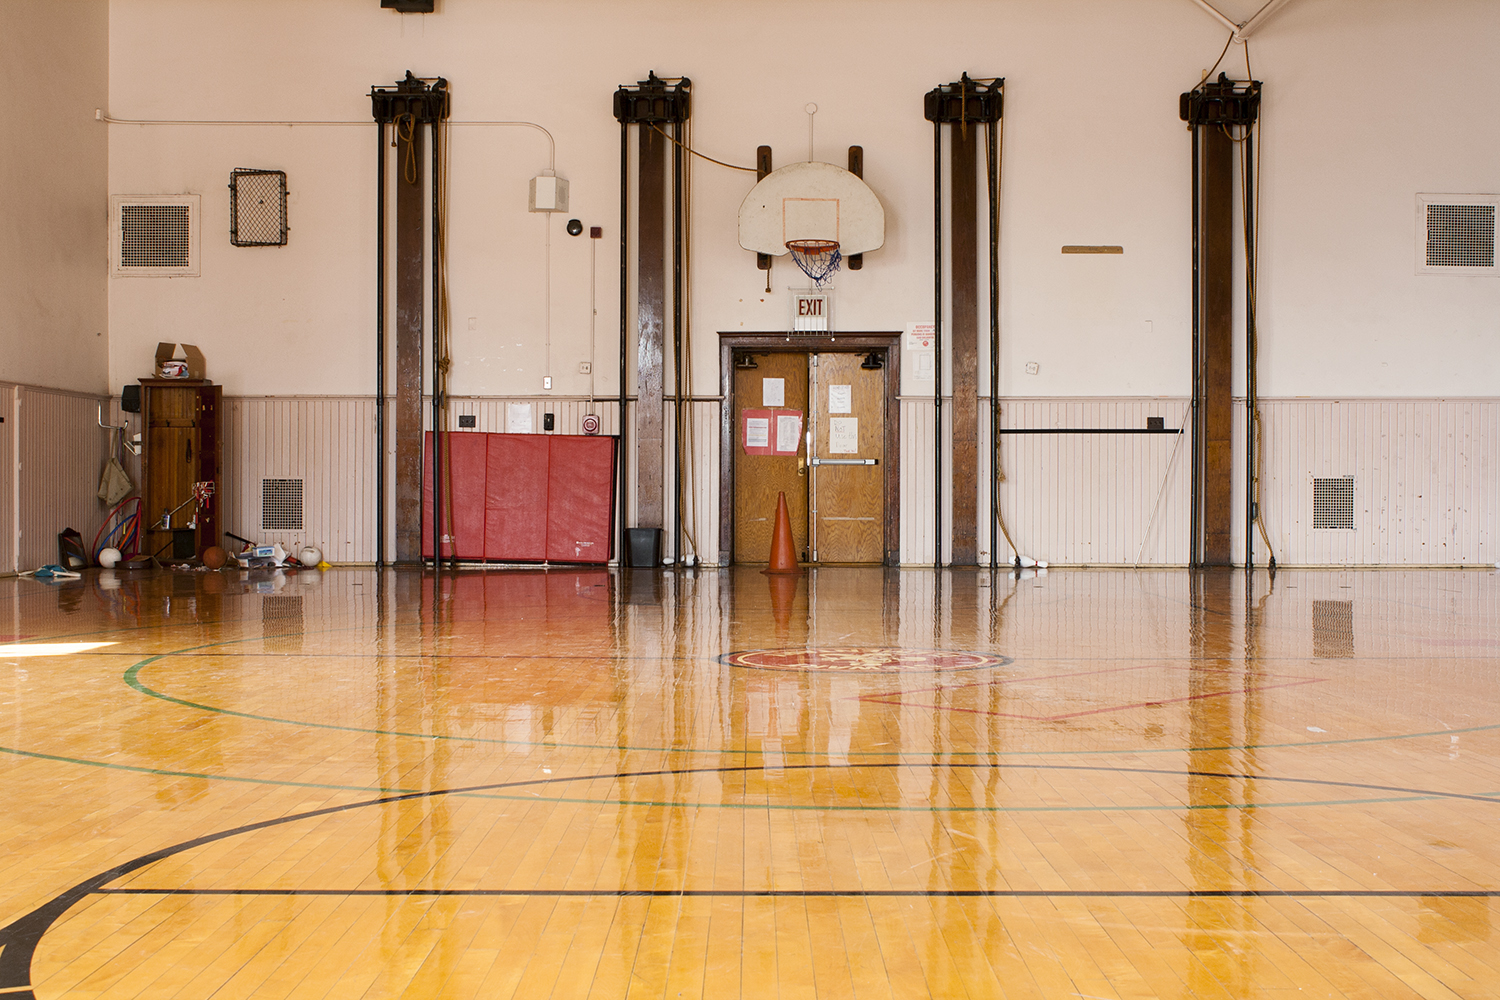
x=114, y=483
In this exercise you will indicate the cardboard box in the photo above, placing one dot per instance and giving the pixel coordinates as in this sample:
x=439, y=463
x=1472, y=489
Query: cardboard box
x=196, y=366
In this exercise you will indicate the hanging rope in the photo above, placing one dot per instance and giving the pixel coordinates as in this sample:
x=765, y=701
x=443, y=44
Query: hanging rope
x=657, y=129
x=409, y=162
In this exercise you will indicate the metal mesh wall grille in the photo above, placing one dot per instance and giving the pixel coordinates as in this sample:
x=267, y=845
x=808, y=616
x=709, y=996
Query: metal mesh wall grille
x=156, y=236
x=1333, y=630
x=281, y=504
x=1460, y=235
x=1333, y=503
x=257, y=208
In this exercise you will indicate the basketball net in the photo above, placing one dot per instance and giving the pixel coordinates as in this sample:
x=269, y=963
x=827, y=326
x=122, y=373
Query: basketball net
x=818, y=259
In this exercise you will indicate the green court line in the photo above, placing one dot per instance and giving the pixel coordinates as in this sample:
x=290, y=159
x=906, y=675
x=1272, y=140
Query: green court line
x=780, y=806
x=161, y=772
x=132, y=679
x=814, y=807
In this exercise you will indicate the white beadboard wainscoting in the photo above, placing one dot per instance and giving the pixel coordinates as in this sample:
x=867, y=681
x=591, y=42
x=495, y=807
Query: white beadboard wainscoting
x=1069, y=499
x=10, y=499
x=326, y=444
x=53, y=451
x=1424, y=475
x=1092, y=499
x=1425, y=480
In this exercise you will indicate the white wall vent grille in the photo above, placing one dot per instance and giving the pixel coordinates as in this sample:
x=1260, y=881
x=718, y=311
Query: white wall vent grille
x=1333, y=503
x=281, y=505
x=1455, y=233
x=154, y=235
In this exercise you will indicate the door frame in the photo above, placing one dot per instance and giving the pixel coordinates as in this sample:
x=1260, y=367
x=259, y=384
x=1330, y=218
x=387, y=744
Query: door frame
x=887, y=345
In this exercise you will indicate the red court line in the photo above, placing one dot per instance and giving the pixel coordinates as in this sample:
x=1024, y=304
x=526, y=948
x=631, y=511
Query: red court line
x=1013, y=680
x=1094, y=711
x=1050, y=677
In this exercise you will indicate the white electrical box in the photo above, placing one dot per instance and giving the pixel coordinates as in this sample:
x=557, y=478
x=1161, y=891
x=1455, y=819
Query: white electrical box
x=548, y=194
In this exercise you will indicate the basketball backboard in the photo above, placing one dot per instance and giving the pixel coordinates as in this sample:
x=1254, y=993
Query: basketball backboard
x=811, y=201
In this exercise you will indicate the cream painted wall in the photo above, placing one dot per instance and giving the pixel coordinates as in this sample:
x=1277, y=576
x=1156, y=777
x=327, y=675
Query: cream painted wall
x=1094, y=153
x=53, y=177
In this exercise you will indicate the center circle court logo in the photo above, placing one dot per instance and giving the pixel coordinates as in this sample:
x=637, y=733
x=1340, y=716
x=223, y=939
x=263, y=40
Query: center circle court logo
x=863, y=659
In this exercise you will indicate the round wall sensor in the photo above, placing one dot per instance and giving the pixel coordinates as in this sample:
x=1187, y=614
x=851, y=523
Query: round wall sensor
x=574, y=227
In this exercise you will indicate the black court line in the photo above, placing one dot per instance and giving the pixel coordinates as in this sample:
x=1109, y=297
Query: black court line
x=19, y=938
x=847, y=893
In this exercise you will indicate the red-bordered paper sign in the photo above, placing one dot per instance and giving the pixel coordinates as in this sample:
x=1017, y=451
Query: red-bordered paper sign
x=771, y=432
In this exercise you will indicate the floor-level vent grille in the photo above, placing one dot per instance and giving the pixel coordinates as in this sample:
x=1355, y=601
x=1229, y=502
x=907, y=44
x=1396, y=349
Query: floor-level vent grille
x=281, y=504
x=1333, y=503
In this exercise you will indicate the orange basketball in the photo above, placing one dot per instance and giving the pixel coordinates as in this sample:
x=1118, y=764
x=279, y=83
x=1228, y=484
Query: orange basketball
x=214, y=557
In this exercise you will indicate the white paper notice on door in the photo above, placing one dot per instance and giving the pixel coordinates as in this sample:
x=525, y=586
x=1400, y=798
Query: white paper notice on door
x=757, y=432
x=518, y=418
x=843, y=435
x=788, y=433
x=773, y=392
x=840, y=399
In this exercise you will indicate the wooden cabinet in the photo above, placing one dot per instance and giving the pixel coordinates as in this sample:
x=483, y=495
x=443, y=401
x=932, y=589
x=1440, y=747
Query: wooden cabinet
x=181, y=446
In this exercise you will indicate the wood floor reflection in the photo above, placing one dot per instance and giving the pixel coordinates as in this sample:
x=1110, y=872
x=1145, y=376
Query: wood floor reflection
x=856, y=783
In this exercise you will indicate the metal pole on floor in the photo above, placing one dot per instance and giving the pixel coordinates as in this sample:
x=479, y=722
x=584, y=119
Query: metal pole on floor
x=937, y=345
x=380, y=344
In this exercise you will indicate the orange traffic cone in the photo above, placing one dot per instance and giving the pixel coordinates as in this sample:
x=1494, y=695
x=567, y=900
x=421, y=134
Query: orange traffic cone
x=783, y=549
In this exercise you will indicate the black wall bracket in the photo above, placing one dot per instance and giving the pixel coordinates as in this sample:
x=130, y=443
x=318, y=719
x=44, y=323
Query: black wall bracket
x=411, y=96
x=1221, y=102
x=652, y=102
x=964, y=101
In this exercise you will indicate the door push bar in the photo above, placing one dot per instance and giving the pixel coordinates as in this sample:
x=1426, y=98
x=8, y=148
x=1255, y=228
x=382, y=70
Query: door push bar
x=846, y=461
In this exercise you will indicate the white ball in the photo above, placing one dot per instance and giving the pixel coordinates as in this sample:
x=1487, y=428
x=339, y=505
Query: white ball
x=309, y=556
x=109, y=557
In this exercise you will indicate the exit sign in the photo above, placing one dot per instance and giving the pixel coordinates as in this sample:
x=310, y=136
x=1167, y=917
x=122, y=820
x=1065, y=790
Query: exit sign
x=810, y=310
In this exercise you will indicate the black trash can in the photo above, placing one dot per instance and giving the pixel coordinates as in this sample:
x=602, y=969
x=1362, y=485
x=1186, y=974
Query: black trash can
x=644, y=547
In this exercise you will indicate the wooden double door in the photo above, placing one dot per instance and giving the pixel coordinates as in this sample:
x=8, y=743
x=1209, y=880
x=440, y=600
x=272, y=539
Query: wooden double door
x=813, y=426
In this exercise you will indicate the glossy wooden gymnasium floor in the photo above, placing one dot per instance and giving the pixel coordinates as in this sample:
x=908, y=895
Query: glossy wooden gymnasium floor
x=862, y=783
